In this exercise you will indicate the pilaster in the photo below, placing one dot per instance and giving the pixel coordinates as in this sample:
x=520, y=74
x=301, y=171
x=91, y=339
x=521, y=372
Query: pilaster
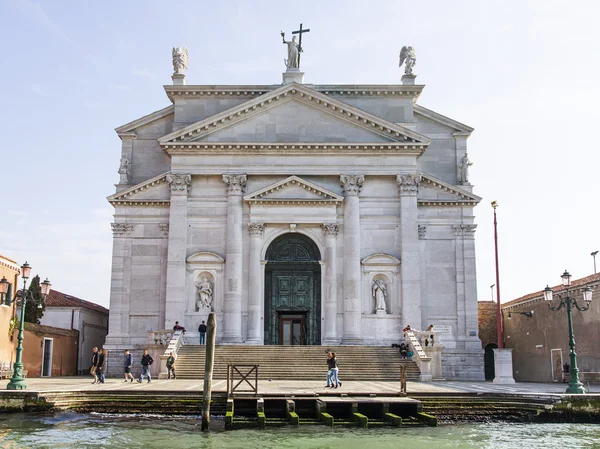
x=255, y=285
x=352, y=310
x=121, y=283
x=177, y=249
x=330, y=336
x=410, y=268
x=232, y=322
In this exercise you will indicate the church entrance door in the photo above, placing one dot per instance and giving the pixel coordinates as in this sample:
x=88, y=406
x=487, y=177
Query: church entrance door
x=293, y=292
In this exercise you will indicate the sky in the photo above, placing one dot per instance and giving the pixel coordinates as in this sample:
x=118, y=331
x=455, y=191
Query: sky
x=522, y=73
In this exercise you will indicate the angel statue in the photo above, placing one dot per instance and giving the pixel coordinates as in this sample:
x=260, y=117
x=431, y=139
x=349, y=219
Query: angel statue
x=379, y=291
x=409, y=58
x=180, y=60
x=463, y=169
x=205, y=293
x=294, y=49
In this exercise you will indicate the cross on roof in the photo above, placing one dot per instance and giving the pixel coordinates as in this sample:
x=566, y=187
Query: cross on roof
x=300, y=31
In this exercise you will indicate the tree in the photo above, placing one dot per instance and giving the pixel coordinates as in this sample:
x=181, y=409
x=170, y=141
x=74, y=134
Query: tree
x=33, y=314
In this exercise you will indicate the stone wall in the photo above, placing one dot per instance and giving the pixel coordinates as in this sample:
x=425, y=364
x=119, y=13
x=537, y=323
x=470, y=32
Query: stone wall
x=488, y=324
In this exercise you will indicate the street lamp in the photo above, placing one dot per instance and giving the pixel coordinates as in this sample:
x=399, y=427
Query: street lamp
x=499, y=310
x=16, y=381
x=575, y=387
x=527, y=314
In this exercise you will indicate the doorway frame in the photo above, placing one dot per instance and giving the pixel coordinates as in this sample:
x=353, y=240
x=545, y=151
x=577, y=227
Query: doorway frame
x=293, y=315
x=552, y=351
x=44, y=342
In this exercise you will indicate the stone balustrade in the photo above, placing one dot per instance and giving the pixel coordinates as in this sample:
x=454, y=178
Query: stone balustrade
x=174, y=345
x=421, y=358
x=160, y=336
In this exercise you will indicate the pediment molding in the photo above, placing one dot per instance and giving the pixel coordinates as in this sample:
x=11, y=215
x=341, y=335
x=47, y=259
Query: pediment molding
x=322, y=195
x=463, y=197
x=461, y=128
x=128, y=130
x=126, y=197
x=205, y=258
x=305, y=95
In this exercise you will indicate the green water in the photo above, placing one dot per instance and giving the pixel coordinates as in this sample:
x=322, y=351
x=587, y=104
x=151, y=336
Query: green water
x=72, y=430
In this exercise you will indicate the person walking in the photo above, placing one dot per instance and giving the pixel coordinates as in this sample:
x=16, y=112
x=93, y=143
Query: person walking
x=101, y=370
x=333, y=369
x=202, y=330
x=147, y=360
x=170, y=366
x=128, y=363
x=329, y=362
x=94, y=364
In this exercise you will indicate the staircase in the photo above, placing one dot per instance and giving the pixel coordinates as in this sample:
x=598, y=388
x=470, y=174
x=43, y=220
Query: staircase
x=366, y=363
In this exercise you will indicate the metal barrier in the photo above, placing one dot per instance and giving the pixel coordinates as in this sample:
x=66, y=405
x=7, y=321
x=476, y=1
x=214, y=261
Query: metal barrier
x=231, y=372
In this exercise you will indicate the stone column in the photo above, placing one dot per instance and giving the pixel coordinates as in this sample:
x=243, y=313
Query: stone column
x=120, y=284
x=352, y=310
x=232, y=323
x=175, y=307
x=410, y=254
x=330, y=284
x=255, y=285
x=461, y=329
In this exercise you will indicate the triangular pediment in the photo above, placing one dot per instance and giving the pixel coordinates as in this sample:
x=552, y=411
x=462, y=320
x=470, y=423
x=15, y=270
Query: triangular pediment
x=154, y=191
x=293, y=190
x=434, y=191
x=310, y=116
x=131, y=127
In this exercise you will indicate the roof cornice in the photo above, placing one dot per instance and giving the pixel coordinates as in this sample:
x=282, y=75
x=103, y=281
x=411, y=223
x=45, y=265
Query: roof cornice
x=442, y=119
x=124, y=195
x=442, y=185
x=305, y=95
x=128, y=129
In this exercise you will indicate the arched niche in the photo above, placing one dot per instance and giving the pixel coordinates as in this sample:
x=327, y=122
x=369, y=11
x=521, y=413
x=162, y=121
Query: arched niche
x=208, y=265
x=386, y=268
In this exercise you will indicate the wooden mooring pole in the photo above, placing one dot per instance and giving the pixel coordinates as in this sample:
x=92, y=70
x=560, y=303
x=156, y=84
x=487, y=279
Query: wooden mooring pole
x=211, y=331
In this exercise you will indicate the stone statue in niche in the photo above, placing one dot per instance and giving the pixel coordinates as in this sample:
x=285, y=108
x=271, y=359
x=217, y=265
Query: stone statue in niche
x=124, y=171
x=379, y=292
x=205, y=294
x=463, y=169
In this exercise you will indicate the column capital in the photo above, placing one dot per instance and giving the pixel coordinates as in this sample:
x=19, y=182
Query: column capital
x=409, y=183
x=122, y=229
x=236, y=184
x=179, y=182
x=256, y=229
x=352, y=184
x=330, y=229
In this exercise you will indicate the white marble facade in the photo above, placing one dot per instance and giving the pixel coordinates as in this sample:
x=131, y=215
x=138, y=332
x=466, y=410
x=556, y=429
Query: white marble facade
x=362, y=171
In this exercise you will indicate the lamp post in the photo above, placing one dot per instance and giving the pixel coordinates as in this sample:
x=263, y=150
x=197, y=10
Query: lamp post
x=16, y=381
x=566, y=300
x=499, y=311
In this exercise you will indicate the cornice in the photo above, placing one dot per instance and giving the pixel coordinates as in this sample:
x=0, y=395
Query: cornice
x=446, y=187
x=127, y=129
x=305, y=95
x=291, y=149
x=140, y=187
x=251, y=91
x=141, y=203
x=442, y=119
x=447, y=203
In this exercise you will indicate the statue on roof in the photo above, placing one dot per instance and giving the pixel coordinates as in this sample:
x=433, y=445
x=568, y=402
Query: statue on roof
x=409, y=58
x=294, y=49
x=124, y=171
x=180, y=60
x=463, y=169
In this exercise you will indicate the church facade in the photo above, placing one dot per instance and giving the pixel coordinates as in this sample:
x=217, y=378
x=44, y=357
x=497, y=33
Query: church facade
x=299, y=214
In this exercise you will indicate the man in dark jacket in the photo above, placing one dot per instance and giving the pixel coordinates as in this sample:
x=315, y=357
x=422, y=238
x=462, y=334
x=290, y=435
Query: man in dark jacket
x=146, y=362
x=128, y=363
x=94, y=365
x=202, y=330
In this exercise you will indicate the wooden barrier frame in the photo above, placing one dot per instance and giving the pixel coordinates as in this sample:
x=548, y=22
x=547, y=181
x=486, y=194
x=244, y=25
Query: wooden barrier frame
x=231, y=371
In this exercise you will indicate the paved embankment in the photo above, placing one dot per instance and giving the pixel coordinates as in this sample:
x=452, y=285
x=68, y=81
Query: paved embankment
x=449, y=401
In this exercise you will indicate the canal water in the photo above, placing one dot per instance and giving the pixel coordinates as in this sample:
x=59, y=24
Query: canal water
x=72, y=430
